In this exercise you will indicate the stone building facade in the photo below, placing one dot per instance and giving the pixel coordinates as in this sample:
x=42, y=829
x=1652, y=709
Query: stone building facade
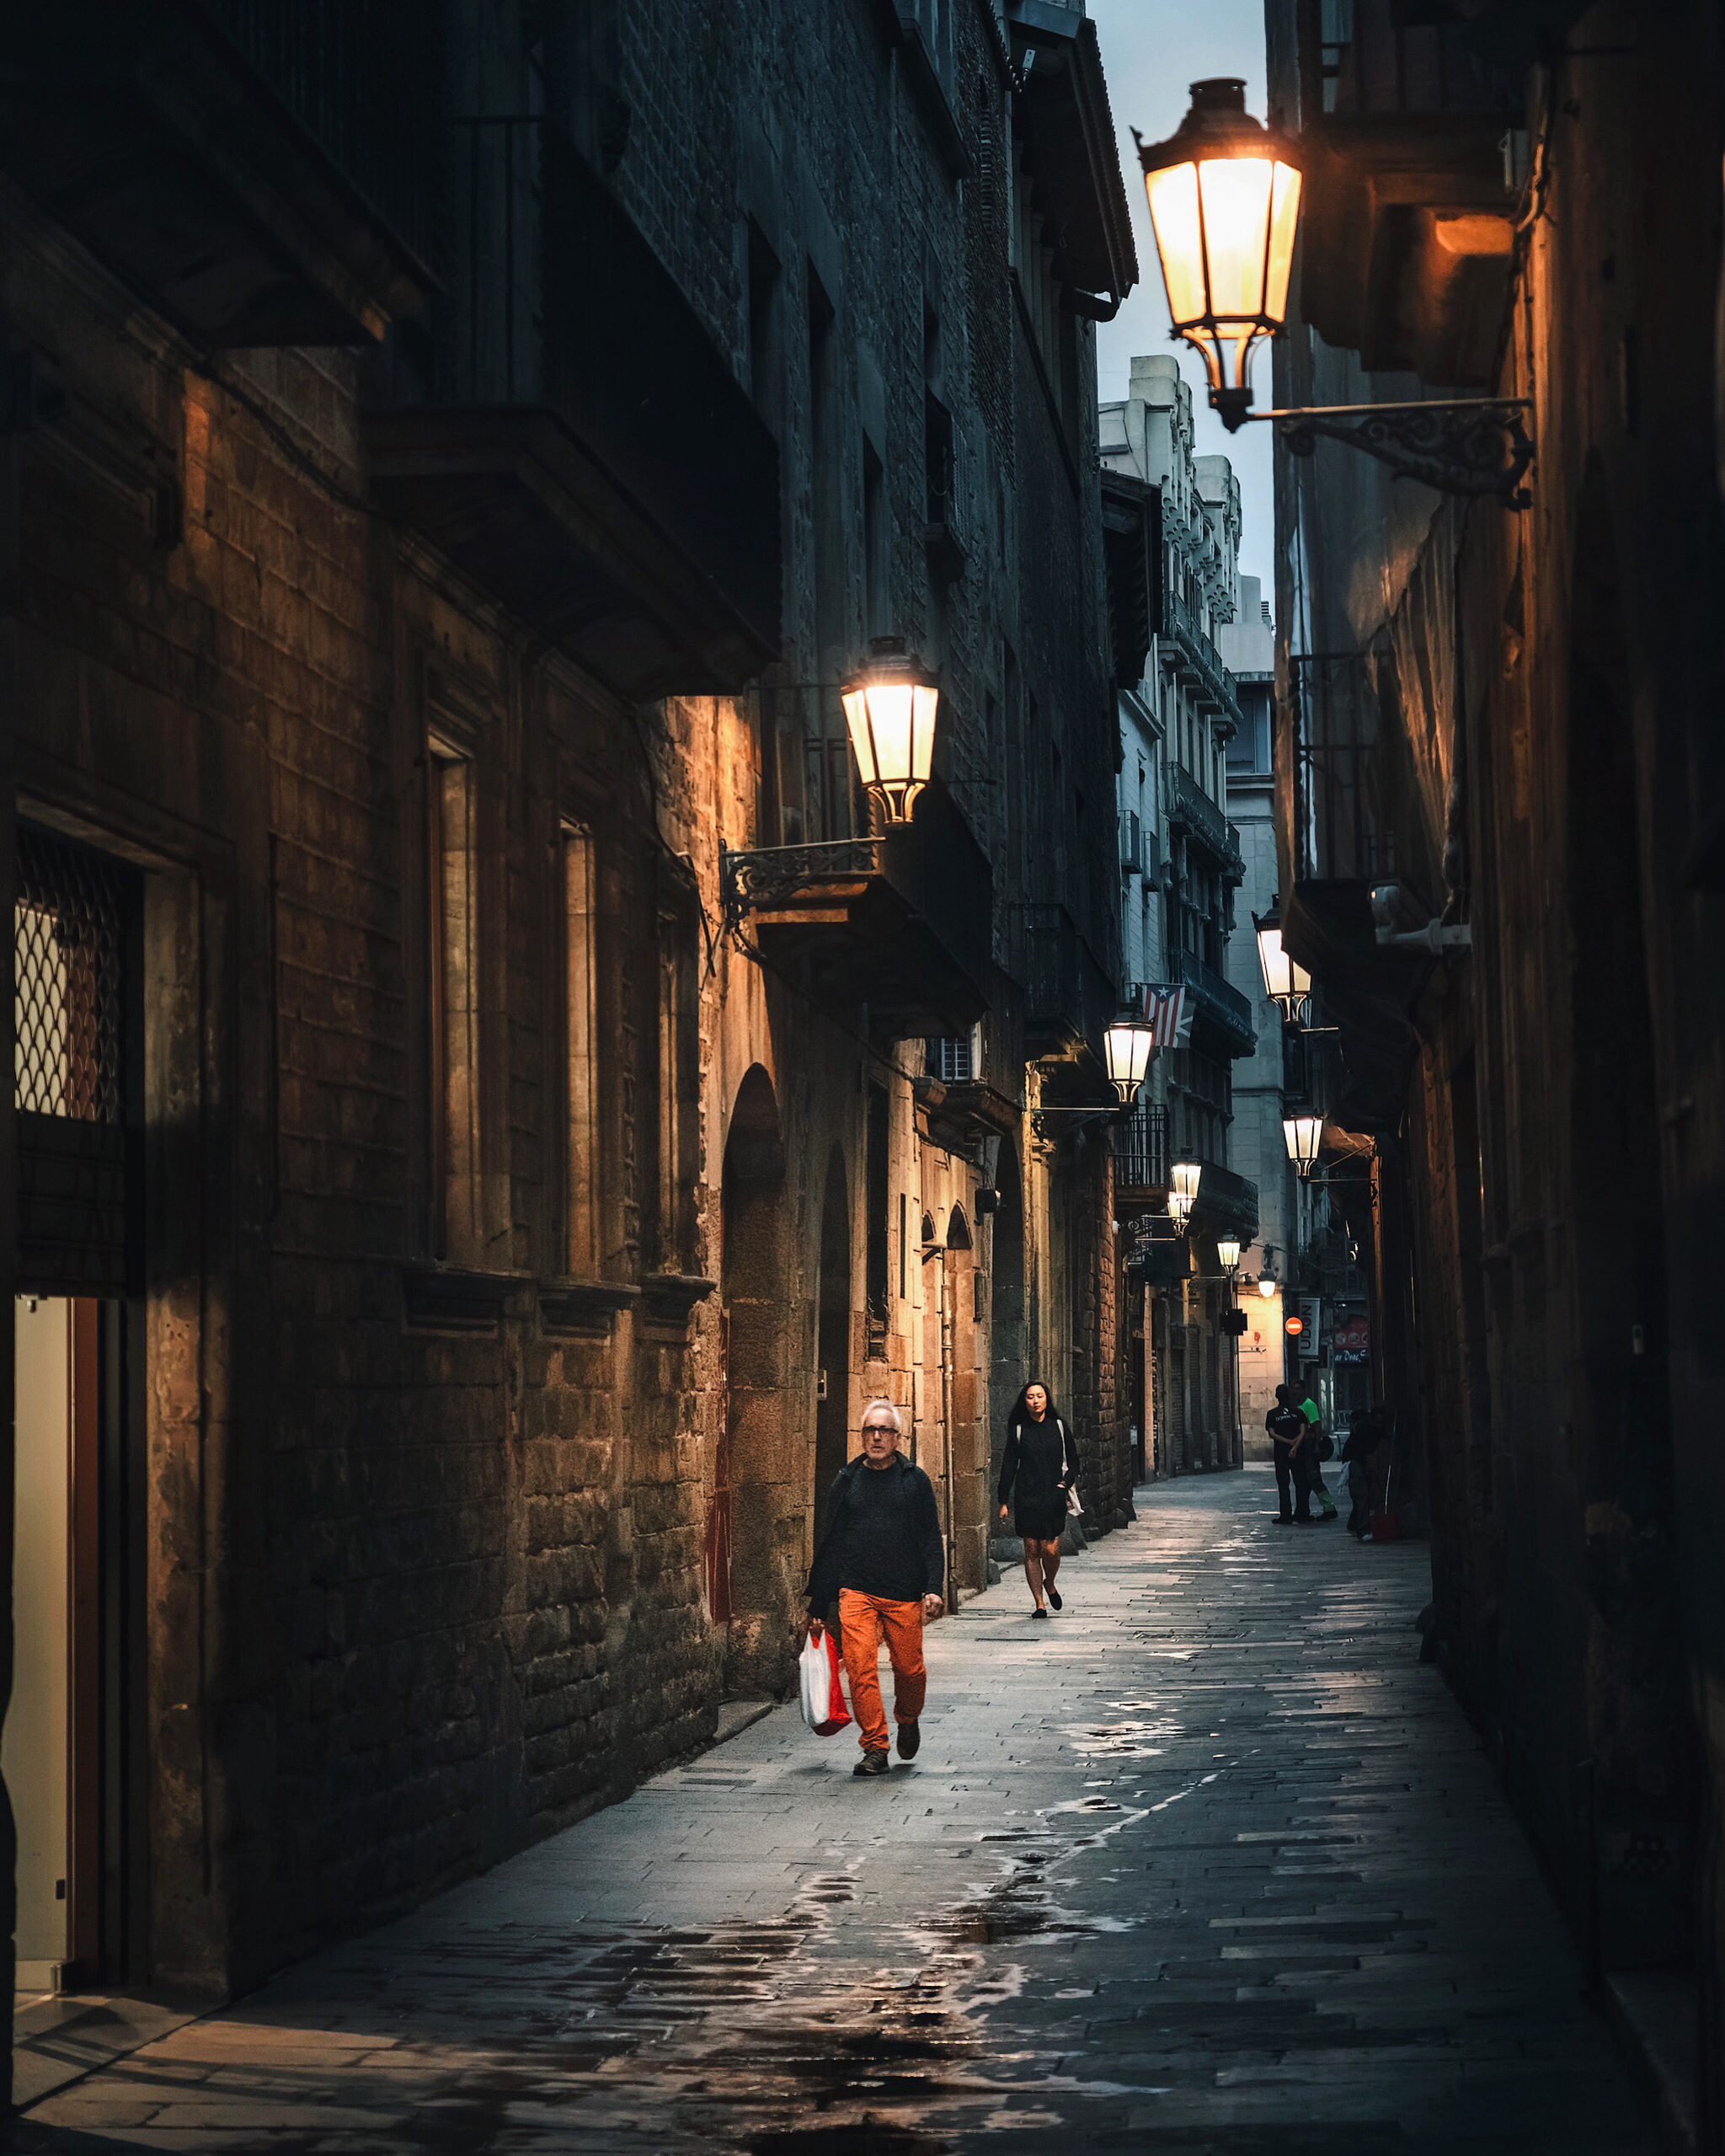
x=491, y=1102
x=1172, y=519
x=1499, y=785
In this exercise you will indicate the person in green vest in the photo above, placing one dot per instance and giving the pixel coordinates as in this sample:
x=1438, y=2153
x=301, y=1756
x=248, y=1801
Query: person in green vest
x=1314, y=1465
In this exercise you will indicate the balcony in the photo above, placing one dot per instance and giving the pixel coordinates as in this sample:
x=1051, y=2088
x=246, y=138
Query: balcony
x=574, y=441
x=898, y=926
x=1338, y=826
x=1192, y=813
x=256, y=173
x=1140, y=1146
x=1217, y=1005
x=1410, y=197
x=1227, y=1202
x=1195, y=660
x=1068, y=998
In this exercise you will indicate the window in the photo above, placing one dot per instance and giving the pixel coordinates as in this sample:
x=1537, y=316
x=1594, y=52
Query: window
x=580, y=1068
x=457, y=1227
x=956, y=1059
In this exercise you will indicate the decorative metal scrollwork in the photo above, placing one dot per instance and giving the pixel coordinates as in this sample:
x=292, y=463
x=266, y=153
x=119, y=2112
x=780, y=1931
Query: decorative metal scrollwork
x=769, y=875
x=1468, y=445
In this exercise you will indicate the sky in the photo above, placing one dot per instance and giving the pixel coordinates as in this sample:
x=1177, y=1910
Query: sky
x=1152, y=51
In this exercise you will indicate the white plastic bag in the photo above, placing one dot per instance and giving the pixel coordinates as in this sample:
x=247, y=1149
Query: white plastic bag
x=824, y=1707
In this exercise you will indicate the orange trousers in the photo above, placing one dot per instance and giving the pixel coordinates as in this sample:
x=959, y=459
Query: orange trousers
x=864, y=1621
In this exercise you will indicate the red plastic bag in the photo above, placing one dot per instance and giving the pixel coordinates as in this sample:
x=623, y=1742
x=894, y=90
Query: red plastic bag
x=824, y=1707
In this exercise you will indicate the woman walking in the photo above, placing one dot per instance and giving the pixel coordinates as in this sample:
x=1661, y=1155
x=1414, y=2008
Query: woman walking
x=1038, y=1468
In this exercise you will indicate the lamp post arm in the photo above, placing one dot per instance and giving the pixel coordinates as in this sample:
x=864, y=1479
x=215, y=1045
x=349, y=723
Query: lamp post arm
x=1469, y=446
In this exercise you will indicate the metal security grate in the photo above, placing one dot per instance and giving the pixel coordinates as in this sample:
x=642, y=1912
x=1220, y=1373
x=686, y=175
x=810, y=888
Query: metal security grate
x=67, y=968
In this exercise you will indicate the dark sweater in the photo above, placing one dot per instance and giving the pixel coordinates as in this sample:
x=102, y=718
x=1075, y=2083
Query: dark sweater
x=1038, y=1461
x=883, y=1536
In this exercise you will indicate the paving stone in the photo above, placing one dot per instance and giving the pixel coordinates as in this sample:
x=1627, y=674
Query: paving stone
x=1208, y=1863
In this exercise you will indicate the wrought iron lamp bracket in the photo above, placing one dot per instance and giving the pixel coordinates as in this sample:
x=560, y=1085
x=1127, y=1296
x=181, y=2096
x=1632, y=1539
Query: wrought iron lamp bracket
x=1476, y=445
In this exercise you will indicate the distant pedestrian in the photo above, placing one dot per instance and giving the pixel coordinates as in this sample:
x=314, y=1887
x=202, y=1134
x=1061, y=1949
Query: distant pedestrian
x=881, y=1556
x=1313, y=1449
x=1364, y=1438
x=1037, y=1467
x=1290, y=1435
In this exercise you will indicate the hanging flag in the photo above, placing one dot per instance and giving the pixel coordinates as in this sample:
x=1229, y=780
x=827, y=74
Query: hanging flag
x=1164, y=1010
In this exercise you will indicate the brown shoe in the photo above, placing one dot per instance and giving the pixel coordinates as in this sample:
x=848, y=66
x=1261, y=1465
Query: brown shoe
x=872, y=1763
x=909, y=1739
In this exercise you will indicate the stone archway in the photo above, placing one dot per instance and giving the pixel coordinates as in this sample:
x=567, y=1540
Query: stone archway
x=832, y=1347
x=751, y=1552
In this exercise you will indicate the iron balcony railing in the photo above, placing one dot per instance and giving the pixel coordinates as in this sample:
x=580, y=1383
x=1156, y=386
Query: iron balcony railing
x=1068, y=998
x=1141, y=1144
x=1180, y=630
x=364, y=78
x=1191, y=810
x=1340, y=827
x=1218, y=1001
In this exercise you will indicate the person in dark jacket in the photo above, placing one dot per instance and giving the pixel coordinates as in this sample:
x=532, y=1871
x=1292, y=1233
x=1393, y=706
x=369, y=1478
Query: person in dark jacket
x=1290, y=1435
x=882, y=1557
x=1363, y=1440
x=1037, y=1467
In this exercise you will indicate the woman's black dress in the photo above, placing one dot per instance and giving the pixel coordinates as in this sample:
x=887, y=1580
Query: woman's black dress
x=1032, y=1475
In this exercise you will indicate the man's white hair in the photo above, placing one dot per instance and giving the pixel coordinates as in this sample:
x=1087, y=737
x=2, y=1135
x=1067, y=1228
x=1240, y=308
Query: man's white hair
x=897, y=1423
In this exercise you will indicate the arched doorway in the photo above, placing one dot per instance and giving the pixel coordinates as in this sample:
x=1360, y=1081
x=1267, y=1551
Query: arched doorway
x=1638, y=1734
x=1009, y=1344
x=832, y=1345
x=748, y=1566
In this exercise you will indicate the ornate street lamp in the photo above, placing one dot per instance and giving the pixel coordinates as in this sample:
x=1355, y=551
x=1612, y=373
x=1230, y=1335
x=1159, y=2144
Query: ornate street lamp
x=1268, y=1284
x=1225, y=205
x=1303, y=1135
x=1179, y=1211
x=1228, y=1253
x=890, y=707
x=1286, y=982
x=1185, y=1176
x=1127, y=1046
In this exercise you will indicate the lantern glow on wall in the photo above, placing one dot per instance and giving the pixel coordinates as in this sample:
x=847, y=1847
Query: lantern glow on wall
x=1225, y=205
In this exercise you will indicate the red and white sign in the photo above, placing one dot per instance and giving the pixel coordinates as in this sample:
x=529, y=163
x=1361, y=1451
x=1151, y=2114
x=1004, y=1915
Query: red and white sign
x=1292, y=1326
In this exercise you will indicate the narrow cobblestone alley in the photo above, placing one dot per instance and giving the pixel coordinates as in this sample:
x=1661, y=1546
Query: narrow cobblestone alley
x=1210, y=1863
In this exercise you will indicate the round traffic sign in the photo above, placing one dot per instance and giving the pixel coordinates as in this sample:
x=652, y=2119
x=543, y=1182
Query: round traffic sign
x=1293, y=1324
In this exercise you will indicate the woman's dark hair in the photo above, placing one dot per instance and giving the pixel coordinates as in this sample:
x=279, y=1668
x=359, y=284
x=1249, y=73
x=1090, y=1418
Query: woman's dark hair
x=1021, y=1413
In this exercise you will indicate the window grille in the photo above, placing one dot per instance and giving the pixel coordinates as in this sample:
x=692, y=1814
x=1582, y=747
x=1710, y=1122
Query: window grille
x=68, y=979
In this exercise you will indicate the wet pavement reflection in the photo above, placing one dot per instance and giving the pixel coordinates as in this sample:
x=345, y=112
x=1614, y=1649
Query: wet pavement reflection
x=1210, y=1863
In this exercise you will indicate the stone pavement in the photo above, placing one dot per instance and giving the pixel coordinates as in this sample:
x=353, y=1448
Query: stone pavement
x=1208, y=1863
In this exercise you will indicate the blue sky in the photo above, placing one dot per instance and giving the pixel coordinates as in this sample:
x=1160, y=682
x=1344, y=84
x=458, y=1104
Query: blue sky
x=1152, y=51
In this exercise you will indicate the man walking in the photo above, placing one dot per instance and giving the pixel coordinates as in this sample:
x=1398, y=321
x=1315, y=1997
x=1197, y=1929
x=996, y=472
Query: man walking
x=882, y=1556
x=1289, y=1437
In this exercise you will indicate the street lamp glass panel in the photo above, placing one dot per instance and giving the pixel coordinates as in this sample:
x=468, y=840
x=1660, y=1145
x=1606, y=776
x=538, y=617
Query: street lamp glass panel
x=1185, y=1176
x=1286, y=982
x=1267, y=1285
x=1179, y=1208
x=890, y=709
x=1224, y=207
x=1126, y=1048
x=1302, y=1135
x=1228, y=1252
